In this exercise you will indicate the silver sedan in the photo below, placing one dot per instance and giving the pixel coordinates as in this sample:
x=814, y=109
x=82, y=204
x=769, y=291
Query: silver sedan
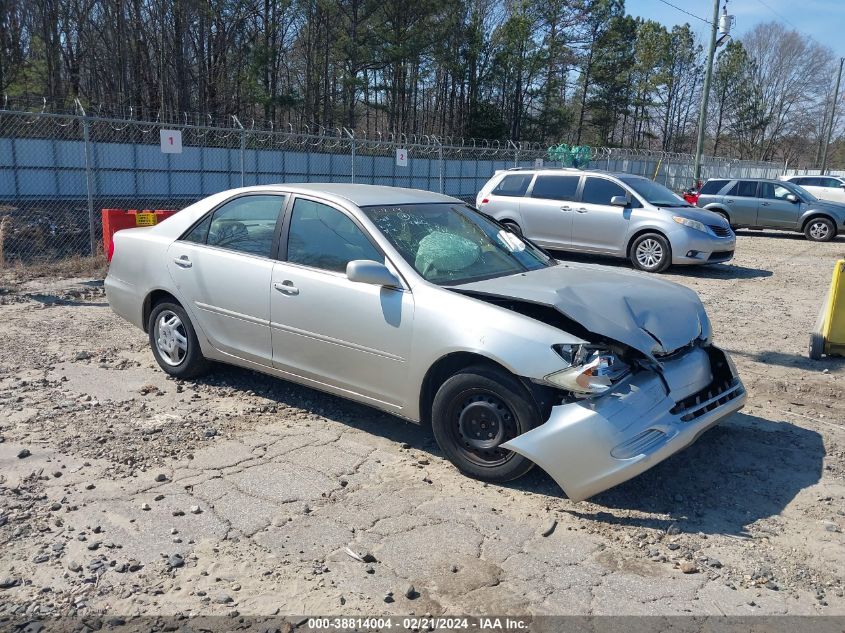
x=417, y=304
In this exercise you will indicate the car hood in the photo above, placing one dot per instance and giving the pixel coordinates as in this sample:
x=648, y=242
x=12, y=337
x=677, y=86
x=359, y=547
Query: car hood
x=701, y=215
x=827, y=205
x=648, y=314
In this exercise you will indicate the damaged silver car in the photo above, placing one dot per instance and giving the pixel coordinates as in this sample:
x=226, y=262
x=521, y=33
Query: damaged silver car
x=417, y=304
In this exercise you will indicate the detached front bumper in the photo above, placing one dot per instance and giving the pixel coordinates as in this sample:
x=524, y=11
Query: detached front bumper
x=595, y=444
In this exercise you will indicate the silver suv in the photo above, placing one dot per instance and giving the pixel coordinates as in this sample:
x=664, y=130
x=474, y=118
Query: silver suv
x=773, y=204
x=609, y=214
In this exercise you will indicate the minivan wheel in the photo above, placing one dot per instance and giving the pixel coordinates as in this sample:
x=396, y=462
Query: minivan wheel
x=820, y=230
x=474, y=413
x=174, y=342
x=651, y=253
x=512, y=226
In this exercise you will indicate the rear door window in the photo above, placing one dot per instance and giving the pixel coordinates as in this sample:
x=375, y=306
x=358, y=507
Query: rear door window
x=514, y=185
x=556, y=187
x=713, y=186
x=600, y=191
x=744, y=189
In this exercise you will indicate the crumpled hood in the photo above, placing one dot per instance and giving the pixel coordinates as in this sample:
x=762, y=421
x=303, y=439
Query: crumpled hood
x=648, y=314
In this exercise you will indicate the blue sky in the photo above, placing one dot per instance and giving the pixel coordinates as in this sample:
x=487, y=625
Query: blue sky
x=823, y=20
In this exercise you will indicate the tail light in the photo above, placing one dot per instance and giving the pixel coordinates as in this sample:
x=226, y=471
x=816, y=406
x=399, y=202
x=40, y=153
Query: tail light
x=111, y=250
x=485, y=201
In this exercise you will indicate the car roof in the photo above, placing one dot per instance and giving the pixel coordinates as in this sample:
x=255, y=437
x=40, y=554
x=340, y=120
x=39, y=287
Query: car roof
x=546, y=171
x=360, y=195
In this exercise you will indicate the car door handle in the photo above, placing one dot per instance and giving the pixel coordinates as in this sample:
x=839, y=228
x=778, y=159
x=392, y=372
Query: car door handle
x=765, y=204
x=730, y=201
x=286, y=287
x=565, y=208
x=581, y=210
x=182, y=262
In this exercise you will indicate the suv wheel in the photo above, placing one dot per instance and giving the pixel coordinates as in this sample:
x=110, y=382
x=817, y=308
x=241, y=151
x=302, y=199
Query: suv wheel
x=651, y=253
x=725, y=215
x=820, y=230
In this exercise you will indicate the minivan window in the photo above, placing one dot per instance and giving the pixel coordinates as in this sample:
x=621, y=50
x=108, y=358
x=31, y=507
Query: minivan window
x=653, y=192
x=600, y=191
x=556, y=187
x=513, y=185
x=713, y=186
x=744, y=189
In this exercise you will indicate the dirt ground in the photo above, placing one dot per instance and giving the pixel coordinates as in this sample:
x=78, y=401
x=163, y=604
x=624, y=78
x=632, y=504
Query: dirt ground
x=125, y=492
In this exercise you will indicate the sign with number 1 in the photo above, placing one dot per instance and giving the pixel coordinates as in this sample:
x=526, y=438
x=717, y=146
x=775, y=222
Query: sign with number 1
x=171, y=141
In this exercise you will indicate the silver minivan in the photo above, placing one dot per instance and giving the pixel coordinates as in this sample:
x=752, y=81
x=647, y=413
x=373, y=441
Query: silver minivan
x=620, y=215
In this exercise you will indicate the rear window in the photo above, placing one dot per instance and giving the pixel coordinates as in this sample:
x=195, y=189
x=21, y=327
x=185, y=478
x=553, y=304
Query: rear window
x=556, y=187
x=713, y=186
x=744, y=189
x=513, y=185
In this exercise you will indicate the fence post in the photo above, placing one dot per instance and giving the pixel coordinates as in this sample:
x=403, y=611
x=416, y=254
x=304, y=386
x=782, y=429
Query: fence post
x=439, y=163
x=89, y=179
x=515, y=153
x=243, y=149
x=351, y=136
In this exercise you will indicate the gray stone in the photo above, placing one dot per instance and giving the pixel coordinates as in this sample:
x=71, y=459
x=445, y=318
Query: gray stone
x=23, y=453
x=175, y=561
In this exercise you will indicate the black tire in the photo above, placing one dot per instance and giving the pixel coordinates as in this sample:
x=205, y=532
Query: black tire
x=182, y=363
x=468, y=401
x=816, y=347
x=820, y=230
x=512, y=226
x=724, y=214
x=655, y=244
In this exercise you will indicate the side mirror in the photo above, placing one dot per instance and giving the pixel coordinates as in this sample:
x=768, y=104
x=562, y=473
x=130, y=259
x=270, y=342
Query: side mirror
x=792, y=197
x=366, y=271
x=619, y=201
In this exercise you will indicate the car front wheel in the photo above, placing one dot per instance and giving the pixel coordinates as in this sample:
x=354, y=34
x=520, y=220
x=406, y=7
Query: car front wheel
x=651, y=253
x=474, y=413
x=820, y=230
x=174, y=341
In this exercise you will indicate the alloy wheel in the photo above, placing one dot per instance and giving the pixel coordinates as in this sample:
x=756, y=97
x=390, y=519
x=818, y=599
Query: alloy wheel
x=649, y=253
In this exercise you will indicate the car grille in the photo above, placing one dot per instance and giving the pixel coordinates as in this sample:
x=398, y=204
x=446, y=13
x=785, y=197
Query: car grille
x=720, y=231
x=707, y=399
x=720, y=256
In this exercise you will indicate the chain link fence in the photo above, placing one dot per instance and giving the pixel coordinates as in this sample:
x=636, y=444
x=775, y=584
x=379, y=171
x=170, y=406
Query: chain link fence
x=57, y=171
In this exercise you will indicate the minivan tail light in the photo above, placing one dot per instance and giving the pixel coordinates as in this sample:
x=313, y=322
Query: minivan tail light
x=485, y=201
x=111, y=250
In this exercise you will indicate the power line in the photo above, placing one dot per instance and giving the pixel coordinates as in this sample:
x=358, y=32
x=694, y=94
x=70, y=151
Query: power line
x=692, y=15
x=778, y=14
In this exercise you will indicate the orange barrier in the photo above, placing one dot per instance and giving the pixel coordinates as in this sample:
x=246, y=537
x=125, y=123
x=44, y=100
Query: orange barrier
x=115, y=220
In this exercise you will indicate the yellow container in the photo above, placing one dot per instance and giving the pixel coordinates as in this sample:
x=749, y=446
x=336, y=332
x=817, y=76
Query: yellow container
x=829, y=335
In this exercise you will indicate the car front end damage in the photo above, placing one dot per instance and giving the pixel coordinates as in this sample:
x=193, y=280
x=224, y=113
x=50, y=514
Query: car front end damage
x=643, y=383
x=591, y=444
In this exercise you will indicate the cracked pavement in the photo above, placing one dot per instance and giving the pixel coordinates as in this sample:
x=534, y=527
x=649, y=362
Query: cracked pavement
x=242, y=493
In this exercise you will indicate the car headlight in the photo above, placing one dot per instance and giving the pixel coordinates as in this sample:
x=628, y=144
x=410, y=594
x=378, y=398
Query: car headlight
x=693, y=224
x=590, y=370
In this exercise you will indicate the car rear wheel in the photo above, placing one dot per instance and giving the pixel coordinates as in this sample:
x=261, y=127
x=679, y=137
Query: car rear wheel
x=174, y=341
x=820, y=230
x=474, y=413
x=651, y=253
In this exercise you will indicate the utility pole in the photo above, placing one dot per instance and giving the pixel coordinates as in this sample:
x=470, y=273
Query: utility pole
x=705, y=94
x=832, y=115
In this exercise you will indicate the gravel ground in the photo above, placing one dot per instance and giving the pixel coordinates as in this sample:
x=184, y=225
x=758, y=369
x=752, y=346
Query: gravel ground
x=125, y=492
